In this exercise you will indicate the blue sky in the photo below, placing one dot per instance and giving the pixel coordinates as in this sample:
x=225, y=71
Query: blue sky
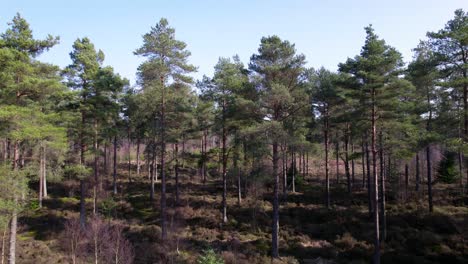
x=327, y=32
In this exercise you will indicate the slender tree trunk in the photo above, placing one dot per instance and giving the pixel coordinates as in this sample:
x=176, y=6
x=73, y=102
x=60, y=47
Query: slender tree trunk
x=224, y=164
x=327, y=176
x=307, y=165
x=152, y=170
x=176, y=169
x=41, y=174
x=82, y=205
x=285, y=174
x=294, y=167
x=353, y=180
x=369, y=189
x=406, y=180
x=382, y=190
x=8, y=148
x=375, y=186
x=204, y=155
x=299, y=171
x=460, y=171
x=114, y=166
x=418, y=180
x=129, y=156
x=429, y=178
x=275, y=224
x=363, y=163
x=96, y=167
x=237, y=168
x=163, y=164
x=14, y=217
x=5, y=230
x=106, y=169
x=337, y=158
x=138, y=156
x=13, y=228
x=348, y=175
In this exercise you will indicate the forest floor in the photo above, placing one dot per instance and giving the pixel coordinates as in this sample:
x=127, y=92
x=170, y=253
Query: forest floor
x=309, y=233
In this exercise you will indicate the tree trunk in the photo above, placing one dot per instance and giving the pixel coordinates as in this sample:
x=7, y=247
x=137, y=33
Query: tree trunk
x=285, y=174
x=348, y=175
x=418, y=180
x=114, y=166
x=382, y=190
x=176, y=169
x=406, y=180
x=13, y=228
x=152, y=170
x=138, y=156
x=5, y=229
x=237, y=168
x=224, y=164
x=96, y=167
x=275, y=224
x=163, y=164
x=369, y=189
x=82, y=205
x=106, y=169
x=429, y=178
x=363, y=162
x=460, y=171
x=327, y=176
x=14, y=217
x=337, y=157
x=41, y=174
x=307, y=165
x=129, y=144
x=375, y=186
x=294, y=167
x=353, y=180
x=204, y=155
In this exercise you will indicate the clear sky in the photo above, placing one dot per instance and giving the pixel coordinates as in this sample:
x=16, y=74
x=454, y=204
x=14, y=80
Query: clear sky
x=327, y=32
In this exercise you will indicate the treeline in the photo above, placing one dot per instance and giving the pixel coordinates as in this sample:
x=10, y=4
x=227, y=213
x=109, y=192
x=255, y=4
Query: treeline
x=376, y=111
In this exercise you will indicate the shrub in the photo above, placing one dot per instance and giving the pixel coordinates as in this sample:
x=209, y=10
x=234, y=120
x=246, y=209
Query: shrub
x=447, y=169
x=209, y=257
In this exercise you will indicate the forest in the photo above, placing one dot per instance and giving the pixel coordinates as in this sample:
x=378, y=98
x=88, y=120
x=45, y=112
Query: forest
x=265, y=162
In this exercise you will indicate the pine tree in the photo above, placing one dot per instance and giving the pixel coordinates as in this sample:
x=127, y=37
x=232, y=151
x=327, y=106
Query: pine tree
x=376, y=68
x=278, y=73
x=166, y=64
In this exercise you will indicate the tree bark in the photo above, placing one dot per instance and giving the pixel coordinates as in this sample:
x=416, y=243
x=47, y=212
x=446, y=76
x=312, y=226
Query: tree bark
x=163, y=163
x=327, y=176
x=82, y=205
x=376, y=256
x=429, y=178
x=41, y=174
x=138, y=156
x=369, y=189
x=337, y=157
x=382, y=190
x=129, y=144
x=353, y=180
x=176, y=169
x=406, y=180
x=224, y=163
x=418, y=180
x=204, y=155
x=114, y=166
x=294, y=167
x=96, y=167
x=348, y=175
x=363, y=163
x=275, y=224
